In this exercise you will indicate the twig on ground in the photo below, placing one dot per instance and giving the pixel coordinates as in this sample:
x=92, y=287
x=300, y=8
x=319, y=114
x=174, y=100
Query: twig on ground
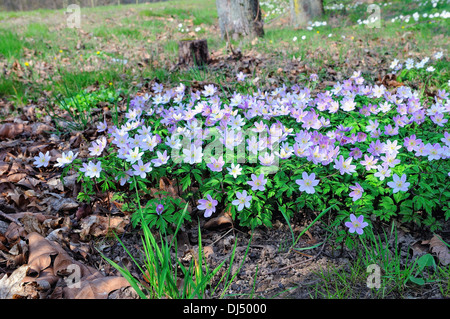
x=11, y=219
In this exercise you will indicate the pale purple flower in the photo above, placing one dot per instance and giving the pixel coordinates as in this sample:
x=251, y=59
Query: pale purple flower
x=391, y=147
x=391, y=131
x=355, y=153
x=242, y=200
x=376, y=148
x=308, y=183
x=161, y=160
x=141, y=169
x=446, y=139
x=434, y=151
x=267, y=159
x=159, y=209
x=398, y=184
x=344, y=167
x=125, y=178
x=234, y=170
x=257, y=183
x=209, y=90
x=369, y=162
x=356, y=224
x=439, y=119
x=97, y=147
x=357, y=192
x=208, y=205
x=102, y=126
x=193, y=154
x=216, y=165
x=383, y=172
x=240, y=76
x=390, y=160
x=411, y=143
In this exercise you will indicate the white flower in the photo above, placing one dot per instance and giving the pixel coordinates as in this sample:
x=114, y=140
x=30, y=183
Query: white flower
x=65, y=159
x=193, y=155
x=42, y=159
x=92, y=170
x=438, y=55
x=133, y=155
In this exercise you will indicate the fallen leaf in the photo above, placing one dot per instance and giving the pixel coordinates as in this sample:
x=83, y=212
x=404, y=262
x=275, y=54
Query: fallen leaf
x=438, y=247
x=11, y=130
x=11, y=285
x=98, y=288
x=96, y=225
x=221, y=221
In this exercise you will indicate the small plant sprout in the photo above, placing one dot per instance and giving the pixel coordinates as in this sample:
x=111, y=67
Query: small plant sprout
x=356, y=224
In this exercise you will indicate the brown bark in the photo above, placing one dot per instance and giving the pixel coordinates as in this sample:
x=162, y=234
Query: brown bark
x=303, y=11
x=240, y=18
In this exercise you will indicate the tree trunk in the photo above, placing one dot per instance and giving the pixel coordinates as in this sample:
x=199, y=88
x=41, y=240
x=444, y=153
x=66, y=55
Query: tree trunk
x=193, y=52
x=303, y=11
x=239, y=18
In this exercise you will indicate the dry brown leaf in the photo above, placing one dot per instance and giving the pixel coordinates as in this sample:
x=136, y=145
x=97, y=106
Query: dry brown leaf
x=40, y=128
x=438, y=247
x=11, y=130
x=11, y=285
x=48, y=261
x=41, y=253
x=96, y=225
x=390, y=80
x=4, y=167
x=222, y=221
x=98, y=288
x=32, y=224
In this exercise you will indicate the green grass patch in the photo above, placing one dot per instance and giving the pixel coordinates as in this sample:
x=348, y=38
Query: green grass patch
x=11, y=45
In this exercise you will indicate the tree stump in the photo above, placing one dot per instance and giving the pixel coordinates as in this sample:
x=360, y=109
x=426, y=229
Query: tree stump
x=193, y=53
